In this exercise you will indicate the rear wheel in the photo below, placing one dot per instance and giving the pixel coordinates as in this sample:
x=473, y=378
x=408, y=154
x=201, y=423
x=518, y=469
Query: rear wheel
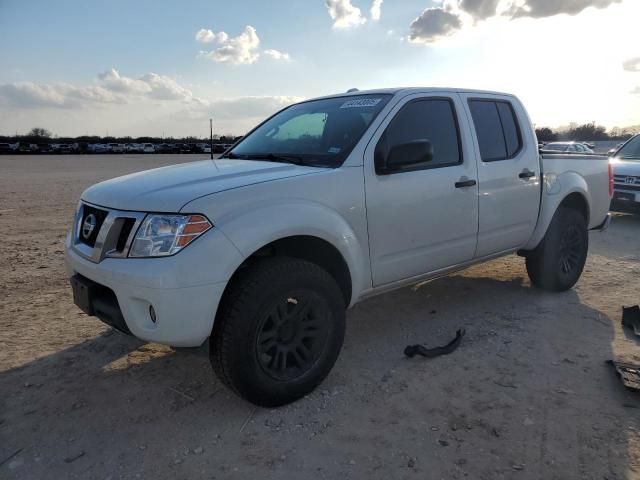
x=557, y=263
x=279, y=331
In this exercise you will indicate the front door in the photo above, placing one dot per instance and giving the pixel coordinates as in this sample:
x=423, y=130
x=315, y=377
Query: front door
x=424, y=217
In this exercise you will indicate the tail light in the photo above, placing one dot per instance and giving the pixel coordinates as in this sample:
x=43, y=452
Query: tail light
x=610, y=180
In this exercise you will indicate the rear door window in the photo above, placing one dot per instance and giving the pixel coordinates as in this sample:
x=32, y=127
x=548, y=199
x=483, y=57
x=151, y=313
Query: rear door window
x=497, y=129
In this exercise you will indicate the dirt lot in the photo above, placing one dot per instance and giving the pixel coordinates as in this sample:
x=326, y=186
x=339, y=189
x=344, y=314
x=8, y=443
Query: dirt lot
x=527, y=396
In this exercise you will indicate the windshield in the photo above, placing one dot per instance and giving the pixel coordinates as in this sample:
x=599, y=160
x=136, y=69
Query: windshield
x=631, y=150
x=318, y=133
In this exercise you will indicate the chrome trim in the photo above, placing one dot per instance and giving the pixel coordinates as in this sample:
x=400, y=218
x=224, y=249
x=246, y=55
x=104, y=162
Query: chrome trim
x=107, y=239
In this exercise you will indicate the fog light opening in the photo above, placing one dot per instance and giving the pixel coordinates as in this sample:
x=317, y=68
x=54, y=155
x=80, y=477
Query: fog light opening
x=152, y=314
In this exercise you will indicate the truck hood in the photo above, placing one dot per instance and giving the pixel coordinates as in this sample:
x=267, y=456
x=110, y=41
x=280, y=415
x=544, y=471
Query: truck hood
x=168, y=189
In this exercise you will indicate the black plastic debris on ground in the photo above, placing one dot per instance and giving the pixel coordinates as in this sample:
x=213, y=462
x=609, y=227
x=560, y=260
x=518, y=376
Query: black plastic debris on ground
x=413, y=350
x=631, y=318
x=628, y=373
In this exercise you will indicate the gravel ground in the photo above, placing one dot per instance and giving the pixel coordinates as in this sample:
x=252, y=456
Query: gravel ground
x=527, y=395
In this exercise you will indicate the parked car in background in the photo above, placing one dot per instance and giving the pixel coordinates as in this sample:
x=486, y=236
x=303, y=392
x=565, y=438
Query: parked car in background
x=219, y=147
x=134, y=147
x=326, y=203
x=148, y=148
x=184, y=148
x=116, y=147
x=203, y=147
x=23, y=147
x=63, y=147
x=43, y=148
x=626, y=176
x=98, y=148
x=566, y=147
x=162, y=148
x=613, y=150
x=7, y=148
x=167, y=148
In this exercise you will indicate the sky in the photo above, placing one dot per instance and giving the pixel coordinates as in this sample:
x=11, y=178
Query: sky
x=153, y=67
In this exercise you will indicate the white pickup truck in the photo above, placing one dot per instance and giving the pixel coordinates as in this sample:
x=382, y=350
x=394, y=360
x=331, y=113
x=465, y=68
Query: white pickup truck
x=324, y=204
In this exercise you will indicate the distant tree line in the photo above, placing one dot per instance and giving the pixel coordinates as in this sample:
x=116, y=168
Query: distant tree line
x=37, y=135
x=589, y=132
x=43, y=136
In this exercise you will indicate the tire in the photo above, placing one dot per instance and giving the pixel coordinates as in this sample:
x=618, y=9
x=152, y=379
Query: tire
x=279, y=331
x=557, y=263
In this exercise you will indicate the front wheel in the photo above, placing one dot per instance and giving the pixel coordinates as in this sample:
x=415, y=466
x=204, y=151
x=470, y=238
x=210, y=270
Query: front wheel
x=279, y=331
x=557, y=263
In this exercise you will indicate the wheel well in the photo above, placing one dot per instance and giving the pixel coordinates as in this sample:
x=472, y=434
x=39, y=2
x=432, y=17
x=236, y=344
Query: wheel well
x=312, y=249
x=577, y=202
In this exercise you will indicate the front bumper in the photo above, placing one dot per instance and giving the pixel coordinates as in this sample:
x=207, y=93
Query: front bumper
x=184, y=289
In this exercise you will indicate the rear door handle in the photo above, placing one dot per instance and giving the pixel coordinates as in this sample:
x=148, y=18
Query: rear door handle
x=465, y=183
x=526, y=174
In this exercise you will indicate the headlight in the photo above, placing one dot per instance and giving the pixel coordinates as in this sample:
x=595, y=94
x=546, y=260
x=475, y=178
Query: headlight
x=163, y=235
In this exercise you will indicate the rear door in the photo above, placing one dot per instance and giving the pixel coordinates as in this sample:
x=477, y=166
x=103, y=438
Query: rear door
x=423, y=218
x=508, y=172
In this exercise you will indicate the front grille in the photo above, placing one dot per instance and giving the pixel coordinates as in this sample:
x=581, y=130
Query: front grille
x=627, y=182
x=102, y=232
x=99, y=216
x=125, y=231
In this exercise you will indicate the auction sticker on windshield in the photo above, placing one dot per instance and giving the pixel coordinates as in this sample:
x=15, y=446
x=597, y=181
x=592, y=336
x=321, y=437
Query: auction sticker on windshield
x=361, y=103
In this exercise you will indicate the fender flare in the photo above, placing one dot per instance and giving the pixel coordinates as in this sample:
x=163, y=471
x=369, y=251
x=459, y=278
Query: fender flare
x=257, y=226
x=556, y=189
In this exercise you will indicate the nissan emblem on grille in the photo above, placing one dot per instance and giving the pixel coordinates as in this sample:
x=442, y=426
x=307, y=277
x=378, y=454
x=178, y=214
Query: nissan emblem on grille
x=88, y=226
x=630, y=180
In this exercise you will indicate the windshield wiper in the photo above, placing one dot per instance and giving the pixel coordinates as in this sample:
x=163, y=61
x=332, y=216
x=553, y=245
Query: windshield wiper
x=273, y=157
x=276, y=157
x=232, y=155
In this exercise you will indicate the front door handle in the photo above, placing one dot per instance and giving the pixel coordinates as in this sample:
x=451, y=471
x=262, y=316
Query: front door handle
x=465, y=183
x=526, y=173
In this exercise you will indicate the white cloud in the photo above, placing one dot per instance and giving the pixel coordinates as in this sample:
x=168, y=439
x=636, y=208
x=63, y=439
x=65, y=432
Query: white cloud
x=632, y=65
x=165, y=88
x=432, y=24
x=344, y=14
x=205, y=36
x=34, y=95
x=112, y=87
x=112, y=80
x=239, y=50
x=548, y=8
x=478, y=9
x=277, y=55
x=452, y=15
x=376, y=10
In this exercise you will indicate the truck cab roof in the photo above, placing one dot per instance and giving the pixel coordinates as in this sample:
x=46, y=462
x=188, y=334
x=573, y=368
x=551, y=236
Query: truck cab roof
x=409, y=90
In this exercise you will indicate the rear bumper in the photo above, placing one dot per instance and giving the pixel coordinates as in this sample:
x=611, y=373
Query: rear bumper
x=185, y=305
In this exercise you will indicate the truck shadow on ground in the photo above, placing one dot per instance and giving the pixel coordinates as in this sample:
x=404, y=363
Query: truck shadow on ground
x=527, y=393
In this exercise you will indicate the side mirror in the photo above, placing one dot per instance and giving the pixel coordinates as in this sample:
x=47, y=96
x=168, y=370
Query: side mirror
x=407, y=154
